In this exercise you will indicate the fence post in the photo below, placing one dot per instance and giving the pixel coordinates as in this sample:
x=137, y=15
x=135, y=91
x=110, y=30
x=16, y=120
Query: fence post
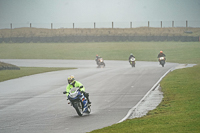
x=112, y=24
x=186, y=23
x=30, y=25
x=11, y=26
x=172, y=23
x=51, y=25
x=148, y=24
x=130, y=24
x=161, y=23
x=94, y=25
x=73, y=25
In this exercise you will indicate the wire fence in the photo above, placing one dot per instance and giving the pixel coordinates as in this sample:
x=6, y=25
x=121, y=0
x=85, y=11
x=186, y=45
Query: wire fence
x=133, y=24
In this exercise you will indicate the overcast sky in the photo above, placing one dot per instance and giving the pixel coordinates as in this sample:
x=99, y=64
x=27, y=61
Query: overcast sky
x=79, y=11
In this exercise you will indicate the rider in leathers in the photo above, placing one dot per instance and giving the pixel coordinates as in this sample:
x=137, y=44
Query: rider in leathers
x=161, y=54
x=97, y=58
x=73, y=83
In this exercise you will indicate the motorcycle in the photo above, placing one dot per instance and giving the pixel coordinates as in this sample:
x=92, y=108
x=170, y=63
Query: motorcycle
x=100, y=63
x=78, y=101
x=162, y=61
x=132, y=61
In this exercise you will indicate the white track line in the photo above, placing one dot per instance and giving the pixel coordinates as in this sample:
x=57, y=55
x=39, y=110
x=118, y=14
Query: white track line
x=130, y=112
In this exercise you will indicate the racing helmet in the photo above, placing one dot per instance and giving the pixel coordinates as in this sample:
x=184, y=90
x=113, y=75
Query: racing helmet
x=71, y=79
x=161, y=51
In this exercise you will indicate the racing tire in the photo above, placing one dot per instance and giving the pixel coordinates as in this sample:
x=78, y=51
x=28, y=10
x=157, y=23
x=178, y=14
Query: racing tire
x=79, y=108
x=162, y=63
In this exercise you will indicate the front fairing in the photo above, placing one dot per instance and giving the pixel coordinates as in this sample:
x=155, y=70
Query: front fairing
x=72, y=98
x=100, y=60
x=132, y=59
x=76, y=96
x=161, y=58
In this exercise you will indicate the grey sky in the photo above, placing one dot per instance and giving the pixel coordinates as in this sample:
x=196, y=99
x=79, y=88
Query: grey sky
x=89, y=11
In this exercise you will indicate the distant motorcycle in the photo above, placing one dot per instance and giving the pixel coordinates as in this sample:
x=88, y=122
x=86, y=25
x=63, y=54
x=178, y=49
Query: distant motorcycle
x=162, y=61
x=132, y=61
x=78, y=101
x=100, y=63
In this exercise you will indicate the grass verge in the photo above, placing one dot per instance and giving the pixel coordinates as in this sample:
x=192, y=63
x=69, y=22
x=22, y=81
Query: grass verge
x=178, y=52
x=25, y=71
x=179, y=110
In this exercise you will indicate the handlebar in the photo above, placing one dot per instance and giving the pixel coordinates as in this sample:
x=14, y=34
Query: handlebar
x=64, y=92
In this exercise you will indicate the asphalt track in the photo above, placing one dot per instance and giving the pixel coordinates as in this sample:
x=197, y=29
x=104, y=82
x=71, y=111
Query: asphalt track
x=35, y=104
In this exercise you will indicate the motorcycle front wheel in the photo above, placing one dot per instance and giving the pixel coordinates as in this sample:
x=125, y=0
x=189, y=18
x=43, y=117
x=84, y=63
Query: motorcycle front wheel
x=162, y=63
x=78, y=107
x=133, y=64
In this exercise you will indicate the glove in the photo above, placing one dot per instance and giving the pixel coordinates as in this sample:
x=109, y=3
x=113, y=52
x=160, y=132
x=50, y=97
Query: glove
x=80, y=88
x=64, y=92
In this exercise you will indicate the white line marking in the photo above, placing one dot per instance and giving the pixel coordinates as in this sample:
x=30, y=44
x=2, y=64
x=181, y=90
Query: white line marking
x=130, y=112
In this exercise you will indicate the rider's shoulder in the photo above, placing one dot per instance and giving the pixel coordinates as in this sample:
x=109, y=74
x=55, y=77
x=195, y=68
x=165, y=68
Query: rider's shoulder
x=68, y=86
x=77, y=82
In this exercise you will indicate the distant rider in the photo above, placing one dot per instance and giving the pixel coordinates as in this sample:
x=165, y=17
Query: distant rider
x=73, y=83
x=161, y=54
x=97, y=58
x=131, y=55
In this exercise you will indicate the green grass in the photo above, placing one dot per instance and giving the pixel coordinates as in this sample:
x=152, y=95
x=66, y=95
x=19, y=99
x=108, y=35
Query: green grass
x=25, y=71
x=179, y=110
x=180, y=52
